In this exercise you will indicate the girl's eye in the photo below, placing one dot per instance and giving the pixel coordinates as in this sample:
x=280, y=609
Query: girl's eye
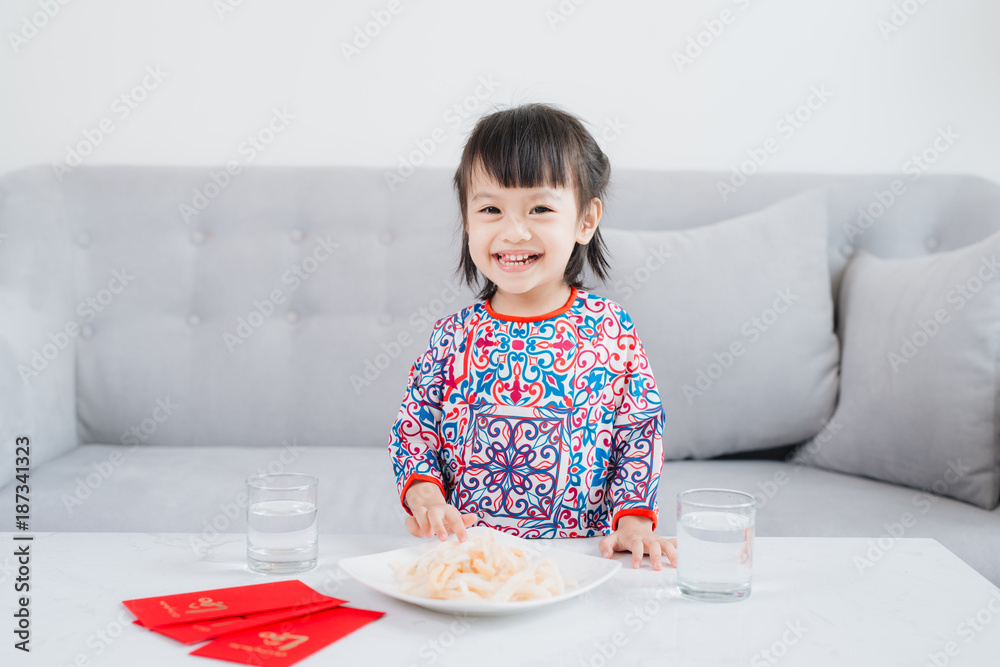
x=493, y=210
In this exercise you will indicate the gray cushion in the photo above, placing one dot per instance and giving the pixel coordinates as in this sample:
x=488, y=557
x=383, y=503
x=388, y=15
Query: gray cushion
x=737, y=319
x=918, y=389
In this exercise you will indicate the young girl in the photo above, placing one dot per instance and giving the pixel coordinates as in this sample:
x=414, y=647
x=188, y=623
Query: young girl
x=535, y=411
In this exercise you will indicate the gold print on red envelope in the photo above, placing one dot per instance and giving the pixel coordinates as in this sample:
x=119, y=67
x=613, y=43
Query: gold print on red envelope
x=274, y=639
x=218, y=603
x=258, y=650
x=285, y=643
x=205, y=604
x=201, y=627
x=198, y=631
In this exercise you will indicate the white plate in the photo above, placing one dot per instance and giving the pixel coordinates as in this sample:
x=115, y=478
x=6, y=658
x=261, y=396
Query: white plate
x=375, y=571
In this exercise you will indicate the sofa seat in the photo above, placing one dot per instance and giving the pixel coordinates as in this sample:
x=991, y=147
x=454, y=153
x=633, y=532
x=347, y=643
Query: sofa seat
x=115, y=488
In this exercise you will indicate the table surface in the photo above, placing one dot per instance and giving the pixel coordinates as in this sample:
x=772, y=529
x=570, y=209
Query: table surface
x=815, y=601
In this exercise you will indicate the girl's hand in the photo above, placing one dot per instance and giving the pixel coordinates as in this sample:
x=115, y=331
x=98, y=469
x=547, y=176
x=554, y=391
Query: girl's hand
x=635, y=534
x=432, y=515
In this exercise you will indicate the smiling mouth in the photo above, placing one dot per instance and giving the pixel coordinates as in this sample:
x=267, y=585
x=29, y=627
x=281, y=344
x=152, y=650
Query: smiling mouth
x=516, y=260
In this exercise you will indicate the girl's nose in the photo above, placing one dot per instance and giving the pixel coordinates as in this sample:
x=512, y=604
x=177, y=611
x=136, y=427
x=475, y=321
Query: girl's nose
x=515, y=230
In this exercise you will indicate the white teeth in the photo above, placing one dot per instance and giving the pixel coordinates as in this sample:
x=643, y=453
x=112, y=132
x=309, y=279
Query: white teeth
x=513, y=260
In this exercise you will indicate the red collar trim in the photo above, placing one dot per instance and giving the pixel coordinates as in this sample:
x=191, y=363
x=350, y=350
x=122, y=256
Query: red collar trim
x=536, y=318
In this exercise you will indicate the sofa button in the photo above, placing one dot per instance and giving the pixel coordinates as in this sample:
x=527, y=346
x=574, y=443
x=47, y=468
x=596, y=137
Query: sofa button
x=386, y=237
x=87, y=331
x=385, y=319
x=296, y=235
x=292, y=316
x=197, y=237
x=932, y=244
x=846, y=249
x=193, y=319
x=83, y=240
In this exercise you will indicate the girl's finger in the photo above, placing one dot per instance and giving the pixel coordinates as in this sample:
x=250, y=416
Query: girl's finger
x=457, y=525
x=654, y=555
x=638, y=549
x=437, y=524
x=670, y=549
x=607, y=546
x=420, y=515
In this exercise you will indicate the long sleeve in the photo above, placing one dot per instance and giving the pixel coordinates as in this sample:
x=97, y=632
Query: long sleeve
x=415, y=440
x=637, y=448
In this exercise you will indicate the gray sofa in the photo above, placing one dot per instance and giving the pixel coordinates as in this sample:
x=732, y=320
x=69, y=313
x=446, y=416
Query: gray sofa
x=165, y=332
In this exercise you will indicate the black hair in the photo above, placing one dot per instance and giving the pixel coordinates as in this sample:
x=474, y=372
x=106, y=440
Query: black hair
x=529, y=146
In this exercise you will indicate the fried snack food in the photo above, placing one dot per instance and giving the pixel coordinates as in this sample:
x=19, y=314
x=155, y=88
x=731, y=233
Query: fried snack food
x=481, y=568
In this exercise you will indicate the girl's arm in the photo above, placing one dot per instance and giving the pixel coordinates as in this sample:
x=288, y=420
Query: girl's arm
x=414, y=441
x=636, y=457
x=637, y=447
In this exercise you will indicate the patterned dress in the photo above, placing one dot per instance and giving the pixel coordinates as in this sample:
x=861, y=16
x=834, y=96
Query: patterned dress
x=543, y=426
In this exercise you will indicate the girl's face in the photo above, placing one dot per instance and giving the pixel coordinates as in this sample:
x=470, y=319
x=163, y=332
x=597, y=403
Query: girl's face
x=521, y=239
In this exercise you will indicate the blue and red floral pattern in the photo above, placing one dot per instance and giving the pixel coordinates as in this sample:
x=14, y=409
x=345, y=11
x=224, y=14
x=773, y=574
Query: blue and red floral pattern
x=544, y=427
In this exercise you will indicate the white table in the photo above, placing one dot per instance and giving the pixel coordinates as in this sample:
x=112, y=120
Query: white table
x=810, y=606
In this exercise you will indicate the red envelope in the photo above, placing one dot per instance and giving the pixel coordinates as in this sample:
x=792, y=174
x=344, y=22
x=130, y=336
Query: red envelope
x=286, y=643
x=201, y=606
x=192, y=633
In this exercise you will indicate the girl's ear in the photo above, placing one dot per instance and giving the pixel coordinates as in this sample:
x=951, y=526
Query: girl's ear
x=588, y=224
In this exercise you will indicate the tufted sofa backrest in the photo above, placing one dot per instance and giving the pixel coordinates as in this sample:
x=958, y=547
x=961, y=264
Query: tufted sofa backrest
x=287, y=304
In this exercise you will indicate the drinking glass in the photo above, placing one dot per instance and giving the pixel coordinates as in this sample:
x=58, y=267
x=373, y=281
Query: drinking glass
x=715, y=544
x=282, y=535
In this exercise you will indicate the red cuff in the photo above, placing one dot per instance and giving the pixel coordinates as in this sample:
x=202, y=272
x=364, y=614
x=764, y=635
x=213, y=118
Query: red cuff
x=637, y=511
x=419, y=478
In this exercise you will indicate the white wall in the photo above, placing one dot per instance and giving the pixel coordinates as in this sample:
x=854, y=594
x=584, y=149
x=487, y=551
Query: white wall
x=607, y=62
